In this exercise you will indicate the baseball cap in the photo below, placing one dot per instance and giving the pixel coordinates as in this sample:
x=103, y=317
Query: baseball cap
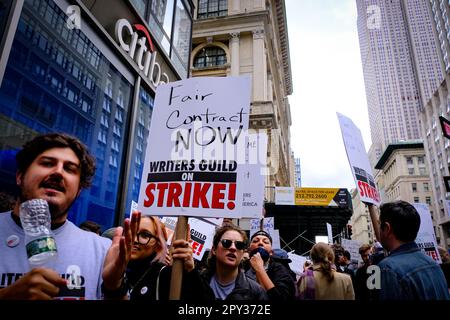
x=261, y=233
x=280, y=254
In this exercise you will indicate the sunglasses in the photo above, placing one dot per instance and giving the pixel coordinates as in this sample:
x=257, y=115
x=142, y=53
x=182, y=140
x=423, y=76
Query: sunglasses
x=226, y=243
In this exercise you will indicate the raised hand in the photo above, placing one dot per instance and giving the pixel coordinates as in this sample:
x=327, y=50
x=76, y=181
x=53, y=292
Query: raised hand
x=119, y=253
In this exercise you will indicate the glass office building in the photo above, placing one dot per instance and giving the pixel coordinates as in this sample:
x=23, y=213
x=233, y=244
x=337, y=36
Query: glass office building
x=60, y=77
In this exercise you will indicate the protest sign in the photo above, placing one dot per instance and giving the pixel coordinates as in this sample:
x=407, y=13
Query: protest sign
x=329, y=233
x=359, y=161
x=297, y=263
x=426, y=239
x=352, y=246
x=170, y=224
x=268, y=225
x=201, y=234
x=193, y=167
x=275, y=234
x=214, y=221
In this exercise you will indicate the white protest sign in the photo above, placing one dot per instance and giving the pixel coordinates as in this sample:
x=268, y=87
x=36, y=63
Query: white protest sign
x=201, y=234
x=214, y=221
x=426, y=239
x=329, y=233
x=170, y=224
x=197, y=133
x=353, y=246
x=275, y=234
x=252, y=177
x=359, y=161
x=268, y=225
x=297, y=263
x=284, y=196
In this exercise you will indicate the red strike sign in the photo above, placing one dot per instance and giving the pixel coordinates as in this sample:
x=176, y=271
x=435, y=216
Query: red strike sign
x=191, y=195
x=366, y=190
x=196, y=247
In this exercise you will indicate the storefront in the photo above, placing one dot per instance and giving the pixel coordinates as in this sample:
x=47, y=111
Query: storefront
x=93, y=78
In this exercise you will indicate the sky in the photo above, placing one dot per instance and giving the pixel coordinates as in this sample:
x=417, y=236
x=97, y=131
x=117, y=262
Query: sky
x=327, y=78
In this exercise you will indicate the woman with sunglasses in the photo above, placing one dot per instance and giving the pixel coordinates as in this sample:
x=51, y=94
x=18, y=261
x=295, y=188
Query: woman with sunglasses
x=148, y=276
x=224, y=279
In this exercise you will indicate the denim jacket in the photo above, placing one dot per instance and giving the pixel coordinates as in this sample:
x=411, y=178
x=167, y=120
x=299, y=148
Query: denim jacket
x=409, y=274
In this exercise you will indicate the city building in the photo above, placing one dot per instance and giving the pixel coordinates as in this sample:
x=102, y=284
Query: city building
x=250, y=38
x=298, y=173
x=362, y=228
x=292, y=170
x=74, y=67
x=438, y=104
x=400, y=65
x=404, y=175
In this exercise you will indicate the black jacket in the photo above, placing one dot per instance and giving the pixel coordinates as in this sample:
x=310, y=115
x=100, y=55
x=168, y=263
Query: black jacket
x=142, y=277
x=244, y=288
x=284, y=285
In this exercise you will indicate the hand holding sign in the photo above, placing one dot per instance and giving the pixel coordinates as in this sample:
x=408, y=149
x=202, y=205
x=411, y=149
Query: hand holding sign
x=183, y=251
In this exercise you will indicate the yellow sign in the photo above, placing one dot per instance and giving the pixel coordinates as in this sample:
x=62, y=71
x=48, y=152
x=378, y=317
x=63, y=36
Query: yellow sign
x=315, y=196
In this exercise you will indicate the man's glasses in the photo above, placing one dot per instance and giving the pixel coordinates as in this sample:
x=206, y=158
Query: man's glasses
x=226, y=243
x=144, y=237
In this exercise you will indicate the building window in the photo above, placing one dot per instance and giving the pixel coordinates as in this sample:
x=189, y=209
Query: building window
x=421, y=160
x=409, y=160
x=416, y=199
x=411, y=171
x=414, y=187
x=171, y=23
x=426, y=187
x=212, y=8
x=422, y=171
x=210, y=57
x=428, y=200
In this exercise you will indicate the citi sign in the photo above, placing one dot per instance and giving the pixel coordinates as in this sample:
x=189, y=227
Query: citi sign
x=140, y=49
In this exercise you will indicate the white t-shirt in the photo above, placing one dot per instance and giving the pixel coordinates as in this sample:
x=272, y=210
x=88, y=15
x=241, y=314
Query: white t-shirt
x=80, y=258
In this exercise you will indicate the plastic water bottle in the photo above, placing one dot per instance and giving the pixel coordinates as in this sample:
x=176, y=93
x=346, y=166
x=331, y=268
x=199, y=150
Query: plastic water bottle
x=36, y=221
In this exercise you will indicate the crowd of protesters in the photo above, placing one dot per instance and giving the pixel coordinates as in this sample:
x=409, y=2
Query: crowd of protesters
x=135, y=262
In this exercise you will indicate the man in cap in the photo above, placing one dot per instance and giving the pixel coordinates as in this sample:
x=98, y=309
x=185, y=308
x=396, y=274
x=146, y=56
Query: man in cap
x=273, y=276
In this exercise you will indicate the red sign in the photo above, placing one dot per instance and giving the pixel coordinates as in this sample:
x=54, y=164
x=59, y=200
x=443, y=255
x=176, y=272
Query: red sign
x=445, y=125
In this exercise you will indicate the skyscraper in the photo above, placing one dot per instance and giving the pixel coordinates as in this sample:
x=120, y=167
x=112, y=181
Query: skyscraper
x=400, y=65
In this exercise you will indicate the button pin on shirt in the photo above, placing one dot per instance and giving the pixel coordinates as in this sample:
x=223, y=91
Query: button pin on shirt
x=12, y=241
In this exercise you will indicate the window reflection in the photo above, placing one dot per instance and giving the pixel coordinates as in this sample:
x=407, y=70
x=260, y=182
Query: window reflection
x=140, y=145
x=171, y=31
x=57, y=80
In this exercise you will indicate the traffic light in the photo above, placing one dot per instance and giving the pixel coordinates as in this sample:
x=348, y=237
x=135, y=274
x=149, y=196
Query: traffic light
x=349, y=231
